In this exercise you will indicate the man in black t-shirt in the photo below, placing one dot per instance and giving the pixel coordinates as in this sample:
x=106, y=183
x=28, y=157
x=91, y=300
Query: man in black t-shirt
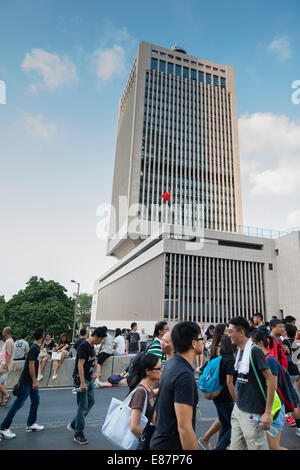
x=250, y=399
x=178, y=393
x=83, y=377
x=258, y=323
x=28, y=387
x=133, y=340
x=83, y=337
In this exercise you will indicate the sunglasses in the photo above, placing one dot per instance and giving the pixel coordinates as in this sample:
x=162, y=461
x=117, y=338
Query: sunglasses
x=156, y=368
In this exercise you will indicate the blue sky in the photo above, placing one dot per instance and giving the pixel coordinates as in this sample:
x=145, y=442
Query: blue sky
x=65, y=64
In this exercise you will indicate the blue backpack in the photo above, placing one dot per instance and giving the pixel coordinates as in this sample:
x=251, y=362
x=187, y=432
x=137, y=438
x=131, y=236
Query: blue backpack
x=209, y=382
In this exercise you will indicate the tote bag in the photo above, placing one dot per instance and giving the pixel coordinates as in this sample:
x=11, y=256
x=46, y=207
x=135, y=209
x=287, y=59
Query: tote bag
x=116, y=427
x=56, y=356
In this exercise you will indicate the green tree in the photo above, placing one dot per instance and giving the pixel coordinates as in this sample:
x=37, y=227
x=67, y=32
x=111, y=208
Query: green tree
x=41, y=303
x=84, y=307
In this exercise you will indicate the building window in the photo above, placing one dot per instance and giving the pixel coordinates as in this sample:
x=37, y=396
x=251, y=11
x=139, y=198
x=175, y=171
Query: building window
x=185, y=72
x=223, y=82
x=201, y=77
x=208, y=79
x=270, y=267
x=154, y=52
x=193, y=74
x=170, y=68
x=162, y=66
x=178, y=71
x=153, y=64
x=216, y=80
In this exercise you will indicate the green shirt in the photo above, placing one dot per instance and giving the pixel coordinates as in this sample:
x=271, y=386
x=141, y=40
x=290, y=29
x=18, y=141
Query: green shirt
x=155, y=348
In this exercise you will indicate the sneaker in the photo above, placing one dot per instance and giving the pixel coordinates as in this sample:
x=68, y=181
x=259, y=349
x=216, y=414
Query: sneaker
x=298, y=432
x=39, y=377
x=81, y=439
x=204, y=445
x=54, y=377
x=97, y=383
x=35, y=427
x=70, y=427
x=291, y=422
x=7, y=434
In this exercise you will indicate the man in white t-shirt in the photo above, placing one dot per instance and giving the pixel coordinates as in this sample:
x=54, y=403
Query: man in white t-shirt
x=21, y=348
x=106, y=351
x=119, y=343
x=143, y=340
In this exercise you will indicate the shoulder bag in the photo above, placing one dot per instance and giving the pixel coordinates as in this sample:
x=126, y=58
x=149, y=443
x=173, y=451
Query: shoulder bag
x=116, y=427
x=144, y=442
x=277, y=402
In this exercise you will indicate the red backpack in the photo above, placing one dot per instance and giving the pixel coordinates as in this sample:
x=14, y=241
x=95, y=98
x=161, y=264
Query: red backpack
x=277, y=351
x=287, y=395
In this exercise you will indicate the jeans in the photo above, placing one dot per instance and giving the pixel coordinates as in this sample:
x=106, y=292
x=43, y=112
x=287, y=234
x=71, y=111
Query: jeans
x=224, y=413
x=85, y=401
x=143, y=346
x=25, y=392
x=116, y=353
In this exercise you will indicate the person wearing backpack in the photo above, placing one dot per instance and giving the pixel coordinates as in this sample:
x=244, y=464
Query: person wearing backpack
x=250, y=400
x=292, y=347
x=224, y=402
x=219, y=332
x=275, y=345
x=259, y=338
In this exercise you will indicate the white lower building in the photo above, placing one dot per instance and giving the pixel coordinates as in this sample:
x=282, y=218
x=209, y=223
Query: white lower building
x=207, y=280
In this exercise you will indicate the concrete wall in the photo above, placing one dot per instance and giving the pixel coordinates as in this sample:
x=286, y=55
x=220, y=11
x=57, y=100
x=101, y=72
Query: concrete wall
x=112, y=365
x=134, y=297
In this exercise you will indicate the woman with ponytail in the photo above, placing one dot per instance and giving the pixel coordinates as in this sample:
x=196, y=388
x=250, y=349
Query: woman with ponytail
x=148, y=372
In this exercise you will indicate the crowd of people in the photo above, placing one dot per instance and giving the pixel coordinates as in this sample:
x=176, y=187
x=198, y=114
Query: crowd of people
x=258, y=380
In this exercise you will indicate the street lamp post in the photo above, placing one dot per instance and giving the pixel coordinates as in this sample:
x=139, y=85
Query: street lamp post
x=76, y=307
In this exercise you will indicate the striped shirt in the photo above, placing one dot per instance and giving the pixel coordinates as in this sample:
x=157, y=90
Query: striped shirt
x=155, y=348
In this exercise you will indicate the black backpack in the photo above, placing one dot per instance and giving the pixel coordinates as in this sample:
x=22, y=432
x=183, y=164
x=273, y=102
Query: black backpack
x=133, y=366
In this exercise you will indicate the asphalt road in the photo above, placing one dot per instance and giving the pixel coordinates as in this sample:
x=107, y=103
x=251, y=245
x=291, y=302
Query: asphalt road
x=58, y=407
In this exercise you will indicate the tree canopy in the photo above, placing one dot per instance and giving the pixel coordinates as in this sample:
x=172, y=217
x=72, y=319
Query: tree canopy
x=41, y=303
x=84, y=307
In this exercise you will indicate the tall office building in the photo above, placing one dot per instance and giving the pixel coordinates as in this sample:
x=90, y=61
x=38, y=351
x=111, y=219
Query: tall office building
x=177, y=133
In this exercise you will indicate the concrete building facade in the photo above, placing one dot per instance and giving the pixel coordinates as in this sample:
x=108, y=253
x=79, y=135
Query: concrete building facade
x=177, y=132
x=187, y=257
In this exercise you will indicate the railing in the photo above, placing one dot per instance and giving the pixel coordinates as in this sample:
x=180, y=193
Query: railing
x=258, y=231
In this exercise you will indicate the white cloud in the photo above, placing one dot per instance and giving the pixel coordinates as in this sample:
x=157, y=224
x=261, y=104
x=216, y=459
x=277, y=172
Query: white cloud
x=110, y=62
x=270, y=151
x=54, y=71
x=281, y=46
x=36, y=126
x=293, y=219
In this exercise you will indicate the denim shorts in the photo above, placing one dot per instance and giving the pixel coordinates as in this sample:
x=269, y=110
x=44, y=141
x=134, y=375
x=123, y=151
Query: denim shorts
x=278, y=423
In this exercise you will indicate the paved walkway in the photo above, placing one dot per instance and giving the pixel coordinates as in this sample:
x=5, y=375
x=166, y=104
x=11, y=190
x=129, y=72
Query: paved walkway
x=58, y=407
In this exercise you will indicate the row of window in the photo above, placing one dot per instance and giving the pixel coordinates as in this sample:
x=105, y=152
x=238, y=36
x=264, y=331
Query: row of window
x=185, y=72
x=193, y=62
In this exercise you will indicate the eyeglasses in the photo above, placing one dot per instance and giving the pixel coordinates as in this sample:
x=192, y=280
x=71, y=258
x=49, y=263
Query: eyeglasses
x=156, y=368
x=199, y=339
